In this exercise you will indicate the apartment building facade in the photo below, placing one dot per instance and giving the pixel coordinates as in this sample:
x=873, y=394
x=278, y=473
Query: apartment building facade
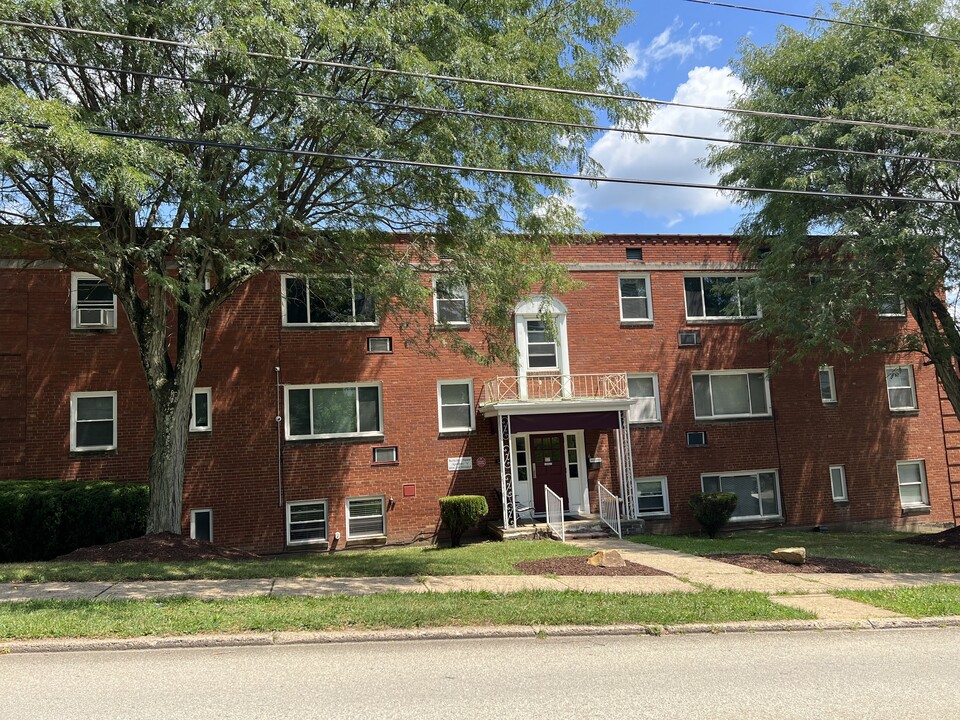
x=314, y=427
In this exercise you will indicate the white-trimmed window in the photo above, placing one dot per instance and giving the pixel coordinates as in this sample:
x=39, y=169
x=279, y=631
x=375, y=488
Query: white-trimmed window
x=387, y=454
x=93, y=304
x=715, y=297
x=306, y=522
x=726, y=394
x=757, y=491
x=635, y=303
x=828, y=385
x=330, y=411
x=93, y=421
x=901, y=390
x=646, y=388
x=838, y=483
x=201, y=524
x=912, y=478
x=891, y=306
x=455, y=405
x=450, y=303
x=365, y=517
x=652, y=496
x=335, y=301
x=201, y=412
x=541, y=346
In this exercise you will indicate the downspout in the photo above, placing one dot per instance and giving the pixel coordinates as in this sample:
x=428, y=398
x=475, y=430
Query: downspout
x=279, y=441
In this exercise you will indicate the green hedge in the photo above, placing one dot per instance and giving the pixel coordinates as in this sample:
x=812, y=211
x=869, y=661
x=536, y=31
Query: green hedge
x=460, y=513
x=713, y=510
x=41, y=519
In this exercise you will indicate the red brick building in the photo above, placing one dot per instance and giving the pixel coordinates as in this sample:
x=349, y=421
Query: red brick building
x=315, y=427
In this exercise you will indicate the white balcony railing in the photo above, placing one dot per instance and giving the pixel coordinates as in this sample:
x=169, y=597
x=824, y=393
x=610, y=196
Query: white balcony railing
x=554, y=388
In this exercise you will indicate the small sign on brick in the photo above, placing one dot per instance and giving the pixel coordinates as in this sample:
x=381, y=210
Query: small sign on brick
x=459, y=463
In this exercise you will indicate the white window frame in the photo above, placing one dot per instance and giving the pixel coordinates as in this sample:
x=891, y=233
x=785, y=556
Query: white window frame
x=393, y=448
x=193, y=410
x=832, y=400
x=383, y=515
x=842, y=475
x=899, y=314
x=733, y=473
x=656, y=398
x=459, y=291
x=924, y=496
x=73, y=421
x=746, y=372
x=469, y=383
x=705, y=317
x=326, y=522
x=111, y=322
x=350, y=323
x=664, y=491
x=331, y=386
x=913, y=388
x=193, y=522
x=649, y=300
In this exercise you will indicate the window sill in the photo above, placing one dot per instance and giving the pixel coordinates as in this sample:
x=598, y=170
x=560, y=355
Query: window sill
x=372, y=541
x=841, y=503
x=330, y=326
x=915, y=510
x=455, y=433
x=307, y=544
x=829, y=403
x=905, y=413
x=720, y=321
x=646, y=423
x=654, y=516
x=758, y=518
x=201, y=431
x=93, y=452
x=105, y=330
x=390, y=463
x=451, y=326
x=897, y=318
x=625, y=322
x=737, y=419
x=377, y=437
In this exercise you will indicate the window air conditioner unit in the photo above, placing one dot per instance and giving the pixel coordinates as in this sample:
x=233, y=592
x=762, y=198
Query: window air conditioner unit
x=689, y=338
x=697, y=438
x=94, y=317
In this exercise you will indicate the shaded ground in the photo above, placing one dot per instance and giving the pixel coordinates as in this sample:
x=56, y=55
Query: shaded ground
x=165, y=547
x=762, y=563
x=946, y=539
x=579, y=566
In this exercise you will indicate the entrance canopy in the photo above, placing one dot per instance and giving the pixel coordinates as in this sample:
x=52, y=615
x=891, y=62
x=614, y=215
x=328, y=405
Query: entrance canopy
x=542, y=422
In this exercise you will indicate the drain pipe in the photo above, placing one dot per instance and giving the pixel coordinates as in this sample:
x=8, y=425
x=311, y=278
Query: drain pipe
x=279, y=442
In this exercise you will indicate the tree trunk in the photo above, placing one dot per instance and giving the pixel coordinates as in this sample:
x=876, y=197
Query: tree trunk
x=942, y=341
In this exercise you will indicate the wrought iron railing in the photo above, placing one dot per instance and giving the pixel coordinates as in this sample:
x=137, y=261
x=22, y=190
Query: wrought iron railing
x=554, y=506
x=609, y=509
x=553, y=388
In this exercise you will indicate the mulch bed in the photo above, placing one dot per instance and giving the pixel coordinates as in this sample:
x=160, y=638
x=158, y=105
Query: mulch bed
x=946, y=539
x=579, y=566
x=163, y=547
x=762, y=563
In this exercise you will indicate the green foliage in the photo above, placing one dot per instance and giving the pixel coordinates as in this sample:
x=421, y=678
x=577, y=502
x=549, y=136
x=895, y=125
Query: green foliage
x=459, y=513
x=713, y=510
x=44, y=519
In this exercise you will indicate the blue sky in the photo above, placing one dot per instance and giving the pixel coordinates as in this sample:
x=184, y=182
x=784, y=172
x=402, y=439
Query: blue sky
x=681, y=51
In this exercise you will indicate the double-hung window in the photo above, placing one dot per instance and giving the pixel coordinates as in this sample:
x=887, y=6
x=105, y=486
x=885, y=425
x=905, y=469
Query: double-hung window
x=455, y=398
x=201, y=419
x=541, y=346
x=450, y=303
x=652, y=497
x=912, y=478
x=757, y=491
x=365, y=517
x=635, y=298
x=647, y=391
x=828, y=385
x=93, y=303
x=901, y=390
x=330, y=411
x=306, y=522
x=731, y=394
x=93, y=421
x=334, y=301
x=713, y=297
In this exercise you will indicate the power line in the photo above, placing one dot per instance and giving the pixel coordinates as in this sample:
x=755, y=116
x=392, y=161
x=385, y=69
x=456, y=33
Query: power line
x=817, y=18
x=494, y=83
x=389, y=162
x=478, y=114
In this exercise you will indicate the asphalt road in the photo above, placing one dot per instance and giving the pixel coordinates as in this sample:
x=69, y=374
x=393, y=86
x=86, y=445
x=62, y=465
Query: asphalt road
x=825, y=675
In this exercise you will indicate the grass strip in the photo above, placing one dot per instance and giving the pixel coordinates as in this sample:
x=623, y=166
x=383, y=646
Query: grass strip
x=925, y=601
x=875, y=548
x=486, y=558
x=186, y=616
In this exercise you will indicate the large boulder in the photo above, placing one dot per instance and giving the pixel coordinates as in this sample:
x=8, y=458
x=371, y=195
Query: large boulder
x=791, y=556
x=607, y=558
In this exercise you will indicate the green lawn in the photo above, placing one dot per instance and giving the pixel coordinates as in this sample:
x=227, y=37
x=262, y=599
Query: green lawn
x=876, y=548
x=927, y=601
x=487, y=558
x=182, y=616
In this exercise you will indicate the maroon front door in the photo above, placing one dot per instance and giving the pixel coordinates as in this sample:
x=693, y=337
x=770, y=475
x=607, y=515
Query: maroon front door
x=549, y=468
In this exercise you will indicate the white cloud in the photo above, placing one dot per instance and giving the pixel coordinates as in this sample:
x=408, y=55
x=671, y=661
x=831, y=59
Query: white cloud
x=662, y=158
x=666, y=46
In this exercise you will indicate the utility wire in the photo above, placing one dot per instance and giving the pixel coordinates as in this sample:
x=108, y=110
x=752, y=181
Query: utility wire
x=492, y=83
x=389, y=162
x=475, y=113
x=818, y=18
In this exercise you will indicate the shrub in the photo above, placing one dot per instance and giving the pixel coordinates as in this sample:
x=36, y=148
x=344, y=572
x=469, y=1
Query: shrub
x=459, y=513
x=713, y=510
x=42, y=519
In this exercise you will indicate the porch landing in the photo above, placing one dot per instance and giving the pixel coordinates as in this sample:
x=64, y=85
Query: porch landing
x=580, y=527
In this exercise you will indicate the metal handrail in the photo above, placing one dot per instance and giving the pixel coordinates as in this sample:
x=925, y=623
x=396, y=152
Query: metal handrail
x=553, y=387
x=554, y=507
x=609, y=509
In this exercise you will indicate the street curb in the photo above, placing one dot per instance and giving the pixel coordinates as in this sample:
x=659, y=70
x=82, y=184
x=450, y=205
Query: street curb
x=463, y=633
